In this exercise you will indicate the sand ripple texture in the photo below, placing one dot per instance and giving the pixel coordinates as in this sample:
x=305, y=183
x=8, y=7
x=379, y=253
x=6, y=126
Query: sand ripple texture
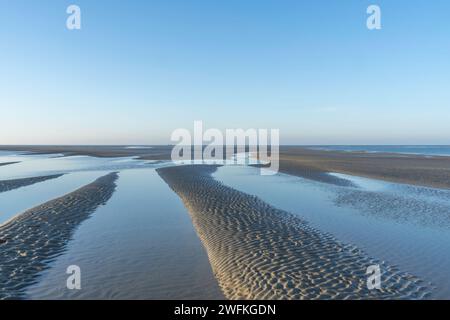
x=259, y=252
x=402, y=209
x=8, y=185
x=32, y=239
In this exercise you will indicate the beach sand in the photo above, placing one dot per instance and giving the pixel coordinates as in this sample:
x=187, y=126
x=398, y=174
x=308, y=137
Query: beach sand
x=410, y=169
x=8, y=185
x=32, y=239
x=260, y=252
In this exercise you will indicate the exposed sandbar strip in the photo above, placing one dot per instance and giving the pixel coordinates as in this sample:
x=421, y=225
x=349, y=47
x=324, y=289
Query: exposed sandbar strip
x=29, y=241
x=8, y=185
x=8, y=163
x=259, y=252
x=145, y=153
x=308, y=173
x=431, y=171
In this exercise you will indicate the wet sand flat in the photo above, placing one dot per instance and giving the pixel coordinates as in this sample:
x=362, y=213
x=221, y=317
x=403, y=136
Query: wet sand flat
x=260, y=252
x=31, y=239
x=8, y=185
x=430, y=171
x=144, y=153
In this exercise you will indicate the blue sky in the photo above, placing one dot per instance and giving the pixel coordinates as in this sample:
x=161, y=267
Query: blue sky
x=137, y=70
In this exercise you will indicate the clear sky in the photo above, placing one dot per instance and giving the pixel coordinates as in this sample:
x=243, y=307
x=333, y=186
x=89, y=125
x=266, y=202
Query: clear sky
x=137, y=70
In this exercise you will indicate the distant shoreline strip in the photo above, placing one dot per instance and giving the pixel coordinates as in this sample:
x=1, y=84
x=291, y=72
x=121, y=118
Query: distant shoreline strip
x=8, y=185
x=8, y=163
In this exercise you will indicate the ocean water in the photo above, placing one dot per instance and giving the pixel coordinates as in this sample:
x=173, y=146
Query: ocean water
x=426, y=150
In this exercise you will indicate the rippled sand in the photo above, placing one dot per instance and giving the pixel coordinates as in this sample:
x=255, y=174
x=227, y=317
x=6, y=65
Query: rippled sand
x=398, y=208
x=260, y=252
x=32, y=239
x=8, y=185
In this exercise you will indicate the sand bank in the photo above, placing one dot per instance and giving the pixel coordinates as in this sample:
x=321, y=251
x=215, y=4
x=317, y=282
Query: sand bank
x=411, y=169
x=259, y=252
x=8, y=163
x=144, y=153
x=30, y=240
x=7, y=185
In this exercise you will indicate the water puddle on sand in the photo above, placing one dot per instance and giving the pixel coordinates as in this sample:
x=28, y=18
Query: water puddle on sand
x=140, y=245
x=407, y=226
x=33, y=165
x=78, y=171
x=17, y=201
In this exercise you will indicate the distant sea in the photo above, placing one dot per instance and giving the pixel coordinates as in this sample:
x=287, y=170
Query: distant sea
x=427, y=150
